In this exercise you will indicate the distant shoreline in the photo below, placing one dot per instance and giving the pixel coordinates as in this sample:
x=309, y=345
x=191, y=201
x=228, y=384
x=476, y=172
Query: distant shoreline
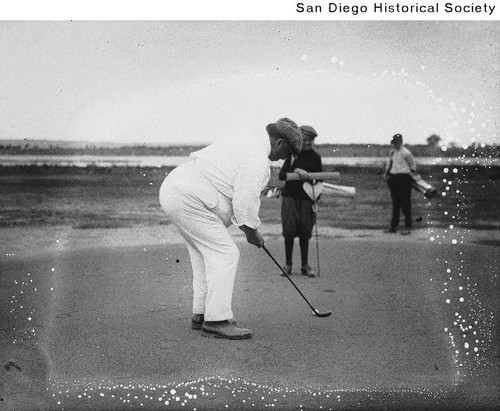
x=172, y=161
x=63, y=148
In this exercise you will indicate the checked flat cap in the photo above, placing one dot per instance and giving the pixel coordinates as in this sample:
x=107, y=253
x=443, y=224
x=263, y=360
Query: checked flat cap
x=290, y=131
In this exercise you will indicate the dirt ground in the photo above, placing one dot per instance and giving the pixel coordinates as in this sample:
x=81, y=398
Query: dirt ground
x=99, y=319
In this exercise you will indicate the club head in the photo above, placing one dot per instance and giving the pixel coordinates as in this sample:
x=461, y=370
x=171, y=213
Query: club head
x=325, y=314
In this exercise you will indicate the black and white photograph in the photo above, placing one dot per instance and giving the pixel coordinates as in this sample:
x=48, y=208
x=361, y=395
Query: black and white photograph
x=242, y=214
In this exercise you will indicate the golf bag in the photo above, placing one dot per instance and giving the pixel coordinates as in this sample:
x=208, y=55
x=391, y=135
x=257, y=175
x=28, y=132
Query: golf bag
x=423, y=187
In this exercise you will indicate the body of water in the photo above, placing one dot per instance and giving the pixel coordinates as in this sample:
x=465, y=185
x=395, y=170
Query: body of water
x=171, y=161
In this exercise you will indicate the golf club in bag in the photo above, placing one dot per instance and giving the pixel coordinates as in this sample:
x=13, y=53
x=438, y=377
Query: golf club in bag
x=316, y=312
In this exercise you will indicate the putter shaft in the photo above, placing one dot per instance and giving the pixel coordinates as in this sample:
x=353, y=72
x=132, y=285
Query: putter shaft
x=316, y=228
x=316, y=312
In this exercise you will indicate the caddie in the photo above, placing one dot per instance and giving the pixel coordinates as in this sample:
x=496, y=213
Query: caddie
x=218, y=186
x=297, y=212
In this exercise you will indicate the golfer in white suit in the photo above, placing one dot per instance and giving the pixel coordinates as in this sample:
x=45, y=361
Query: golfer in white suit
x=218, y=186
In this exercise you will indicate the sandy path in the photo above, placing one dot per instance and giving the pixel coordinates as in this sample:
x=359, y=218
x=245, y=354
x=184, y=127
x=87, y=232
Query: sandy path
x=100, y=318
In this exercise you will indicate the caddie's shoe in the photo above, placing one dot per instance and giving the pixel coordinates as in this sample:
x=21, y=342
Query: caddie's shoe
x=197, y=321
x=390, y=230
x=288, y=269
x=406, y=231
x=307, y=271
x=226, y=329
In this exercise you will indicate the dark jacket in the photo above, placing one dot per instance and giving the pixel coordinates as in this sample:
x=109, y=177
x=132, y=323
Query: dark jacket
x=308, y=160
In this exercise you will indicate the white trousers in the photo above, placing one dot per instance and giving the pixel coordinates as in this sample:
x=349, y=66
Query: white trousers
x=202, y=215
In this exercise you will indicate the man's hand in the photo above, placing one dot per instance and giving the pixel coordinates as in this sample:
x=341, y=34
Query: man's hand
x=303, y=174
x=253, y=236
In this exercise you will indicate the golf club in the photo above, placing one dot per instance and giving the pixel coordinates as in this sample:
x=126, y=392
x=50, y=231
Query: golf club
x=315, y=207
x=316, y=312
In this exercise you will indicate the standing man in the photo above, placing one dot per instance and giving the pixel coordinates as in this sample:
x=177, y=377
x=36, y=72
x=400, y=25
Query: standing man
x=397, y=174
x=297, y=214
x=220, y=185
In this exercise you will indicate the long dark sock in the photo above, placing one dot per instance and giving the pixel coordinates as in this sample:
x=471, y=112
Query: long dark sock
x=289, y=250
x=304, y=250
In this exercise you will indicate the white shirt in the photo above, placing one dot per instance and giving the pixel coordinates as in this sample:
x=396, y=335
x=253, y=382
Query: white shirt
x=239, y=170
x=402, y=162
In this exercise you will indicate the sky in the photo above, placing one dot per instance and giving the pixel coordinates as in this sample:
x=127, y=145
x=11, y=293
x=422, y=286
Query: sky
x=195, y=82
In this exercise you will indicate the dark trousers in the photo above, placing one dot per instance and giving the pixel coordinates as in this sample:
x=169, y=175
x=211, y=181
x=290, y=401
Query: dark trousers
x=400, y=187
x=298, y=219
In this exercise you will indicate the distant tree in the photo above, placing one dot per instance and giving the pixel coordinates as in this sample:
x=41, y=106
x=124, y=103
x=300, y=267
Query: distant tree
x=433, y=140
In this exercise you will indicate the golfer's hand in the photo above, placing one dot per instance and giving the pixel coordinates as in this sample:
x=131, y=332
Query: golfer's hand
x=303, y=174
x=254, y=237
